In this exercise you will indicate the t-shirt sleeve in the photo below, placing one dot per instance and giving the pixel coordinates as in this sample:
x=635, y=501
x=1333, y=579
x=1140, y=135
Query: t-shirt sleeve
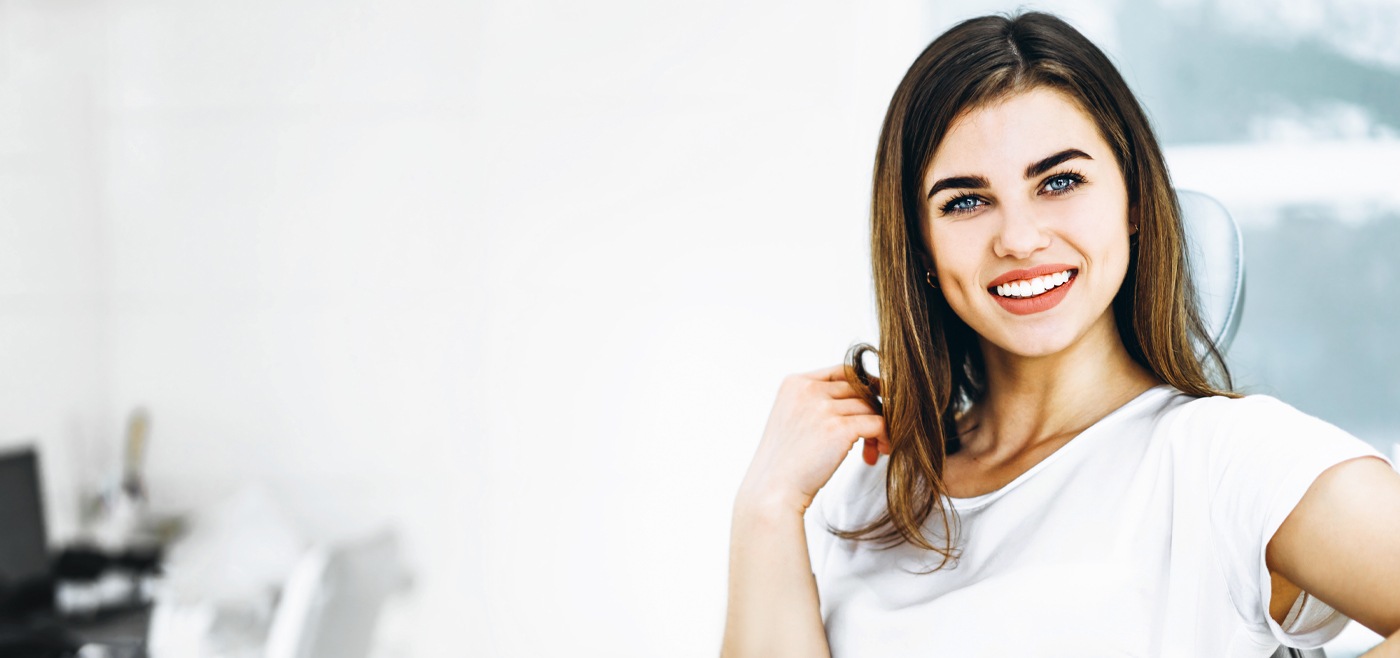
x=819, y=539
x=851, y=490
x=1263, y=457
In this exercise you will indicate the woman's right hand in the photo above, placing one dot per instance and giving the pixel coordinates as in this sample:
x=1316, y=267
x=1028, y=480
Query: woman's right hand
x=815, y=421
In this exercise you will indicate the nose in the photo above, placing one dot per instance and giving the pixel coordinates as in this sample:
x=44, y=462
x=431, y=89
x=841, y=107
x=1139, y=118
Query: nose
x=1021, y=233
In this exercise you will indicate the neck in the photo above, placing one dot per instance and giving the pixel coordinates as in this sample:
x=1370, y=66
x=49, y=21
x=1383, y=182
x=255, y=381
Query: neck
x=1033, y=399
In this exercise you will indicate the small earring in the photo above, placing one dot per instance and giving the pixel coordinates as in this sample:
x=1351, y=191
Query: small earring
x=931, y=279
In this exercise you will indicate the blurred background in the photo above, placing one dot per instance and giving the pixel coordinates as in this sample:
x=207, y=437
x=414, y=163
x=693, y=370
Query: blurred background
x=516, y=282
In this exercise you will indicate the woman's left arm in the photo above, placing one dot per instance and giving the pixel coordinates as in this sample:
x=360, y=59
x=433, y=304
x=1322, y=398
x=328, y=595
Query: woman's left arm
x=1341, y=544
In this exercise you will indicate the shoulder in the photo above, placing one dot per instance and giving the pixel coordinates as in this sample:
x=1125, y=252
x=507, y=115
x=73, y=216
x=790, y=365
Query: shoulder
x=849, y=499
x=855, y=494
x=1219, y=409
x=1260, y=450
x=1254, y=436
x=1250, y=417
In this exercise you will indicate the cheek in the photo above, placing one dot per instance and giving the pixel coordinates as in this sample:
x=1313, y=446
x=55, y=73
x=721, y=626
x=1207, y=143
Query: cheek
x=947, y=256
x=1101, y=231
x=962, y=246
x=959, y=253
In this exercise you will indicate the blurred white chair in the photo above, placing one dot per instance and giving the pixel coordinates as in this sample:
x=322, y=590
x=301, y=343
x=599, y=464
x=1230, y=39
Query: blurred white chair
x=331, y=602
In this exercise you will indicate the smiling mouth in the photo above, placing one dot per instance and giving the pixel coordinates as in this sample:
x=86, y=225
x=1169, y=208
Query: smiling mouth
x=1034, y=286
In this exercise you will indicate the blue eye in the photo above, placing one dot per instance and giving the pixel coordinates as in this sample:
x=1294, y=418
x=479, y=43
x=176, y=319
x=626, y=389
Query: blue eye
x=1063, y=183
x=962, y=204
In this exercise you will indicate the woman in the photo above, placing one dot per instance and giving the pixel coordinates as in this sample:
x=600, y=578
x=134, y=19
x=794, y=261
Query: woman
x=1061, y=476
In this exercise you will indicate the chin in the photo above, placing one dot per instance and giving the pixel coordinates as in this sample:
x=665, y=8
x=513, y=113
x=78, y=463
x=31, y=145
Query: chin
x=1032, y=344
x=1042, y=349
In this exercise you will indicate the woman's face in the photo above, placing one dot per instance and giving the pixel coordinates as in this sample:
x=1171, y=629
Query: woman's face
x=1026, y=192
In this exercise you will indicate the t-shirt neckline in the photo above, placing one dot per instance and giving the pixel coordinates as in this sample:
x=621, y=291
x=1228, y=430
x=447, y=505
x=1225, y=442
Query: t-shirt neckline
x=975, y=502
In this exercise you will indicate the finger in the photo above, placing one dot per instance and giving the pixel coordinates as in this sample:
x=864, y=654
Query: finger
x=881, y=444
x=873, y=449
x=839, y=390
x=866, y=427
x=834, y=373
x=828, y=373
x=849, y=407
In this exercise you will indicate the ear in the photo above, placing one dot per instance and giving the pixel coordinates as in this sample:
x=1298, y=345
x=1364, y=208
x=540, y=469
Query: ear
x=919, y=243
x=925, y=260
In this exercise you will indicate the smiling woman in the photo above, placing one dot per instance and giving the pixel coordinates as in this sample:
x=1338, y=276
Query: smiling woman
x=1067, y=470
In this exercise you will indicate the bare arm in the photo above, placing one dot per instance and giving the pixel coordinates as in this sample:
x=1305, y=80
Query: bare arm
x=773, y=606
x=1341, y=542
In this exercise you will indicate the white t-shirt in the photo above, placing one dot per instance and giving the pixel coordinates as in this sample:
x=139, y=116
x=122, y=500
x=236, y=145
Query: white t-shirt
x=1142, y=536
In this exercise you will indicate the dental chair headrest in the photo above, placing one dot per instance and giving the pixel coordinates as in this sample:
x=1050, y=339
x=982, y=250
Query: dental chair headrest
x=1215, y=256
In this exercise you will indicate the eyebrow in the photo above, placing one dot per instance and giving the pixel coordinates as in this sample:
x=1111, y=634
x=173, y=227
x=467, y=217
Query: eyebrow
x=1035, y=169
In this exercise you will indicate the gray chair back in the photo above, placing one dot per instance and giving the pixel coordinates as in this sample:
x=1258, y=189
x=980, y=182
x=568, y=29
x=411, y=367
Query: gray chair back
x=1215, y=256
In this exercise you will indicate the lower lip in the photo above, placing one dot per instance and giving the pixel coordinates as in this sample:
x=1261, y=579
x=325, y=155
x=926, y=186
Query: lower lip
x=1042, y=302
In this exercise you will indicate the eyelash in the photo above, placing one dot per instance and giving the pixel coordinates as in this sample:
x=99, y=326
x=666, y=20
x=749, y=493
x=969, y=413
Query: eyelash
x=1075, y=179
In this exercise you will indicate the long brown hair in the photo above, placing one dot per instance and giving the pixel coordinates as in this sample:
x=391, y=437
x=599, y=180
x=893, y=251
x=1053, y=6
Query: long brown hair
x=930, y=365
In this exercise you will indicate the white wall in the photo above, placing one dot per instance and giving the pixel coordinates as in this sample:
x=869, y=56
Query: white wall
x=521, y=278
x=51, y=375
x=295, y=268
x=678, y=219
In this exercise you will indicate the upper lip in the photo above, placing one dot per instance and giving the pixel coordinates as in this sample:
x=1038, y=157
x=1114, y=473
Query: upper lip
x=1031, y=273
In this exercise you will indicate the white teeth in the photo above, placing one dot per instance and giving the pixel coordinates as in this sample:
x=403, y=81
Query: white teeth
x=1033, y=287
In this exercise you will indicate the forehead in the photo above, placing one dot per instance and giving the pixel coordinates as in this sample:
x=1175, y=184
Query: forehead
x=1004, y=136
